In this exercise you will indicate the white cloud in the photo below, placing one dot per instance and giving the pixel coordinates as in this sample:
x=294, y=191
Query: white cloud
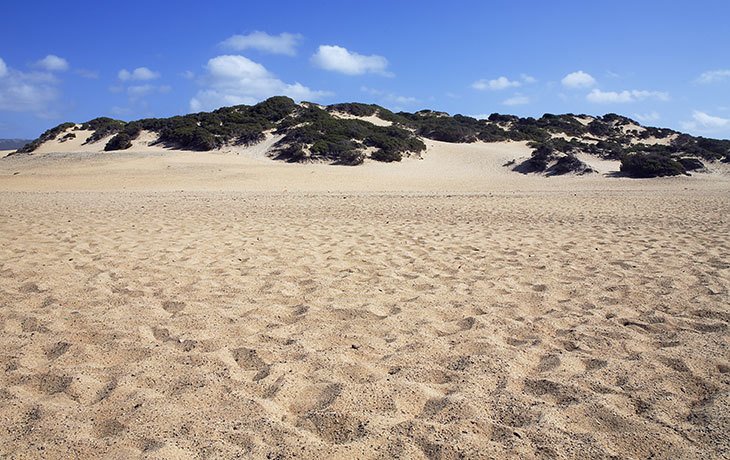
x=495, y=85
x=53, y=63
x=709, y=121
x=339, y=59
x=234, y=79
x=578, y=80
x=284, y=43
x=138, y=74
x=517, y=100
x=501, y=83
x=704, y=123
x=33, y=92
x=612, y=97
x=713, y=76
x=647, y=117
x=528, y=78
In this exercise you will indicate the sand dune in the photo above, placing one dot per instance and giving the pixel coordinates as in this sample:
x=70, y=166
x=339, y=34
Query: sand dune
x=187, y=305
x=444, y=167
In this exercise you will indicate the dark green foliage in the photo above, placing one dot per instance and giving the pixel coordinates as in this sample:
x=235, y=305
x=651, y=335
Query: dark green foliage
x=568, y=164
x=316, y=135
x=659, y=133
x=609, y=150
x=446, y=130
x=557, y=144
x=538, y=162
x=617, y=120
x=684, y=144
x=387, y=115
x=386, y=156
x=391, y=143
x=68, y=136
x=292, y=153
x=528, y=129
x=600, y=128
x=708, y=149
x=121, y=141
x=189, y=137
x=498, y=118
x=691, y=164
x=102, y=127
x=492, y=133
x=311, y=133
x=48, y=135
x=562, y=124
x=643, y=165
x=459, y=128
x=272, y=109
x=354, y=108
x=553, y=158
x=238, y=125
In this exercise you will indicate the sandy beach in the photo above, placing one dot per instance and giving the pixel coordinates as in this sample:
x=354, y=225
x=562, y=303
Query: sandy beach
x=158, y=304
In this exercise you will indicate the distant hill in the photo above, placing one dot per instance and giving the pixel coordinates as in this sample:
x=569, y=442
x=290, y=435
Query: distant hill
x=12, y=144
x=349, y=133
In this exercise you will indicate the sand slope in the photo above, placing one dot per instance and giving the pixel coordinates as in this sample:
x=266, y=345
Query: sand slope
x=205, y=314
x=444, y=167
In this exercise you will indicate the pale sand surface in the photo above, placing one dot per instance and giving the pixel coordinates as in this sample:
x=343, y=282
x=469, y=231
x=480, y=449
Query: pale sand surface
x=187, y=305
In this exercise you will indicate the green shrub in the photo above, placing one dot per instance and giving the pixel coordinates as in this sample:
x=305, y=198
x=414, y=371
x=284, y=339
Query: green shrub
x=562, y=124
x=355, y=108
x=600, y=128
x=387, y=156
x=644, y=165
x=102, y=127
x=691, y=164
x=568, y=164
x=121, y=141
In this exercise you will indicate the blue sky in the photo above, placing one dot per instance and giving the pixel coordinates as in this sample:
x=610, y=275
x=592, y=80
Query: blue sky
x=664, y=63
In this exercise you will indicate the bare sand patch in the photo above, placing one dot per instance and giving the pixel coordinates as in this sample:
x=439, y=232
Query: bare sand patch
x=184, y=305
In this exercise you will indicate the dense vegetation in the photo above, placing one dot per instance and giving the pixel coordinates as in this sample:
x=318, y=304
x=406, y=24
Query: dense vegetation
x=548, y=160
x=643, y=165
x=102, y=128
x=315, y=133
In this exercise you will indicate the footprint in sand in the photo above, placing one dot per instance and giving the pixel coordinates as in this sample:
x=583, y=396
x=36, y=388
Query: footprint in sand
x=58, y=349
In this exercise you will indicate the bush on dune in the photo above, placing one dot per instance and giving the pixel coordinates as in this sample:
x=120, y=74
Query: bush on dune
x=102, y=127
x=645, y=165
x=120, y=141
x=311, y=133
